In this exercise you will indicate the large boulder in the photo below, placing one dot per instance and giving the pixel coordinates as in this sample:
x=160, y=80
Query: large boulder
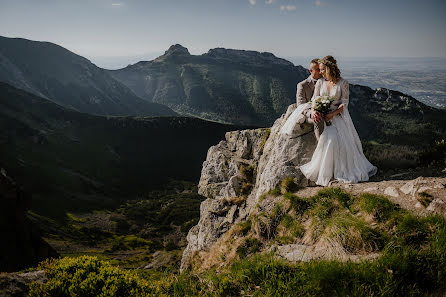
x=237, y=171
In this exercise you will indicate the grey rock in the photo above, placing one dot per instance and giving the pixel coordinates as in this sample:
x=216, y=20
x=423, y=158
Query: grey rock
x=273, y=157
x=295, y=252
x=16, y=284
x=160, y=259
x=422, y=189
x=391, y=191
x=437, y=206
x=411, y=186
x=370, y=189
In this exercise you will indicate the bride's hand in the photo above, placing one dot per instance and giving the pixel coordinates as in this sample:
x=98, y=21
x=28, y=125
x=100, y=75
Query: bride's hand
x=329, y=116
x=341, y=107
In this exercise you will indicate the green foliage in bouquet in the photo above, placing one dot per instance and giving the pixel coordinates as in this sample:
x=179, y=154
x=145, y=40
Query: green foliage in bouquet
x=323, y=104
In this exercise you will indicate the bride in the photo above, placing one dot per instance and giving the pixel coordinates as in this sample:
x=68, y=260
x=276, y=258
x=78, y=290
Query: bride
x=338, y=154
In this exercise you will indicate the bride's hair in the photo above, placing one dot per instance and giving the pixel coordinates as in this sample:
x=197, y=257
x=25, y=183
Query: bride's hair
x=332, y=67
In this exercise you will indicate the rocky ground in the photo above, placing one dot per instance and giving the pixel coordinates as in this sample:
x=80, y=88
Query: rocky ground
x=422, y=195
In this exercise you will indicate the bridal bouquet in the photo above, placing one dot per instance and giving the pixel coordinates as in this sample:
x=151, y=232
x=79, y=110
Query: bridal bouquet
x=323, y=104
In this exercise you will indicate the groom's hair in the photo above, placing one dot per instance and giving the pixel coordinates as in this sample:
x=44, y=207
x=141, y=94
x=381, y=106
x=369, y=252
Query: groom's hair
x=315, y=61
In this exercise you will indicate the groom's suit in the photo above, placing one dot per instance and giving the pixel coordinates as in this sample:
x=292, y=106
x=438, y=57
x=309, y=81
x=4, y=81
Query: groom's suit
x=304, y=93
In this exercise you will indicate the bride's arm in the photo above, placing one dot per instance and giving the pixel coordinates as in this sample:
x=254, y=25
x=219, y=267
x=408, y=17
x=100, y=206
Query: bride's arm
x=344, y=100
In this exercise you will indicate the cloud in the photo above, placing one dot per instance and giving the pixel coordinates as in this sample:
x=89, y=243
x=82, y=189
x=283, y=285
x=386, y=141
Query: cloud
x=287, y=7
x=320, y=3
x=270, y=1
x=252, y=2
x=117, y=4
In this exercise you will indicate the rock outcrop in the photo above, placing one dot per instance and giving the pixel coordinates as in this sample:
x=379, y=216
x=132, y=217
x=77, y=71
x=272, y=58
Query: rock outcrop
x=243, y=177
x=238, y=171
x=22, y=245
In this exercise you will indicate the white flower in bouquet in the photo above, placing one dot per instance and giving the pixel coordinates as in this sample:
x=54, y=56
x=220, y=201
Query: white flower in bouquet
x=324, y=105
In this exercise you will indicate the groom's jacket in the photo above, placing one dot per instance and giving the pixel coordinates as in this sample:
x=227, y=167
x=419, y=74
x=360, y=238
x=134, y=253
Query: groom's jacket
x=305, y=91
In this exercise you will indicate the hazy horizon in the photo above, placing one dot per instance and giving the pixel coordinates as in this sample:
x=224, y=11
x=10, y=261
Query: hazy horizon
x=287, y=28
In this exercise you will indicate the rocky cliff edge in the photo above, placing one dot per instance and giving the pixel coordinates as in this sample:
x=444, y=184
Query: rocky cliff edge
x=251, y=181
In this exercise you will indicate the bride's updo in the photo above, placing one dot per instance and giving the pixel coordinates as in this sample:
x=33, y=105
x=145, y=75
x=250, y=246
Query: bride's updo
x=332, y=67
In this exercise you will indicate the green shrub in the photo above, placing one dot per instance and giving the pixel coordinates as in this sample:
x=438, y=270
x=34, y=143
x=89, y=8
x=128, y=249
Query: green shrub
x=434, y=154
x=127, y=242
x=424, y=198
x=288, y=185
x=298, y=204
x=274, y=192
x=87, y=276
x=249, y=246
x=379, y=206
x=332, y=194
x=245, y=227
x=355, y=235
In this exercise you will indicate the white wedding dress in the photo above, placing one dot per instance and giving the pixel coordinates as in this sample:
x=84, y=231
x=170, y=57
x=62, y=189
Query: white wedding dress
x=338, y=154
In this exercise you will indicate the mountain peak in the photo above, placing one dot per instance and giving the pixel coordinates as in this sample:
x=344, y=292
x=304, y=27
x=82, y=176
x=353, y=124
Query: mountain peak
x=177, y=49
x=247, y=56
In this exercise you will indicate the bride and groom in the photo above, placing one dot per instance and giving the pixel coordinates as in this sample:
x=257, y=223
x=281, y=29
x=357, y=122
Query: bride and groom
x=338, y=154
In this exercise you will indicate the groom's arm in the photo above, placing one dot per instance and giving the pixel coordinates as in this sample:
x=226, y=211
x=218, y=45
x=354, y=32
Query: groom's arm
x=300, y=94
x=309, y=113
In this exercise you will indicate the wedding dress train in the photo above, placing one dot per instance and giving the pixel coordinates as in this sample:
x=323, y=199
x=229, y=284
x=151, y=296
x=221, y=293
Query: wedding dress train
x=338, y=154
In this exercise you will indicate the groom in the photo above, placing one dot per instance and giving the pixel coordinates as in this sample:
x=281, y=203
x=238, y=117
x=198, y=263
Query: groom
x=304, y=93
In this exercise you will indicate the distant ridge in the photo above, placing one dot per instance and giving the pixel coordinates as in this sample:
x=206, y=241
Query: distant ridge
x=227, y=85
x=53, y=72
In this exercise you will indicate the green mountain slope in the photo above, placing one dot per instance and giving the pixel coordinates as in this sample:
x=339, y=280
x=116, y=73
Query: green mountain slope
x=235, y=86
x=53, y=72
x=69, y=157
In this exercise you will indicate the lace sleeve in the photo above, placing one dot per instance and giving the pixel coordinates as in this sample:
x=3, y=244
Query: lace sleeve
x=345, y=93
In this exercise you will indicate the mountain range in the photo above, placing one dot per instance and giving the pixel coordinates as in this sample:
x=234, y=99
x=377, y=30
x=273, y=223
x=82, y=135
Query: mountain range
x=54, y=135
x=53, y=72
x=235, y=86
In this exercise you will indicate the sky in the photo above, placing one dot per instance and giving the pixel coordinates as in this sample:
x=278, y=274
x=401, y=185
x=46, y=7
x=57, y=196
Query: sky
x=134, y=29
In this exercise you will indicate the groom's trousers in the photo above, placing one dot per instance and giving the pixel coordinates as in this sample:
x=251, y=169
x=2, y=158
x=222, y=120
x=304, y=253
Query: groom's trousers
x=318, y=127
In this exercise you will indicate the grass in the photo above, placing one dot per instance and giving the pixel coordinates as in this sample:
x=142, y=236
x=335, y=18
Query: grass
x=127, y=242
x=247, y=173
x=265, y=138
x=274, y=192
x=288, y=185
x=424, y=198
x=299, y=205
x=249, y=246
x=380, y=207
x=245, y=227
x=412, y=259
x=355, y=235
x=400, y=271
